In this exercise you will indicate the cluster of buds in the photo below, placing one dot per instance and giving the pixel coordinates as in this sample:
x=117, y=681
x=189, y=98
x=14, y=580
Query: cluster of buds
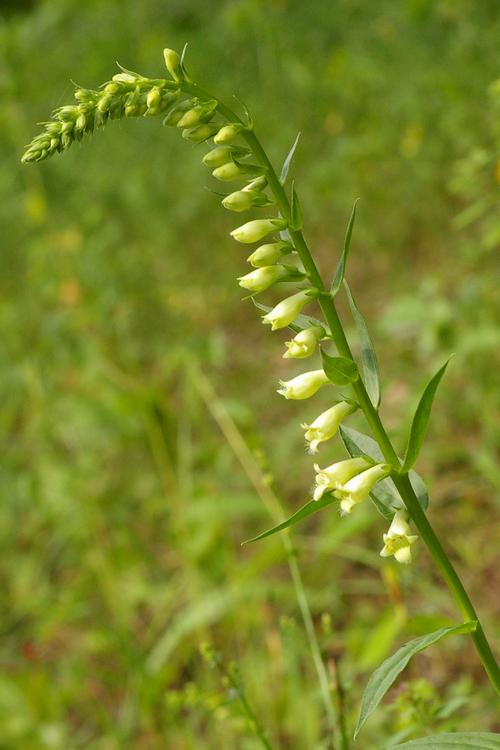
x=126, y=95
x=230, y=160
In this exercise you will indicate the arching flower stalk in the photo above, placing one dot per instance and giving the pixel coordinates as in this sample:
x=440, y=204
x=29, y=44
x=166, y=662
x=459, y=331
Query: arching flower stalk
x=238, y=156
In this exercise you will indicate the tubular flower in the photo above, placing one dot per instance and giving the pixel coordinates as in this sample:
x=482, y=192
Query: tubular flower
x=255, y=230
x=398, y=541
x=262, y=278
x=303, y=386
x=334, y=476
x=304, y=343
x=326, y=425
x=359, y=487
x=266, y=255
x=287, y=310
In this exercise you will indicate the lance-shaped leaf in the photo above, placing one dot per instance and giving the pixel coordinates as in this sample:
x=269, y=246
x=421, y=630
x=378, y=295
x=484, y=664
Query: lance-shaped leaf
x=295, y=211
x=288, y=161
x=453, y=741
x=383, y=677
x=369, y=362
x=313, y=506
x=340, y=370
x=340, y=272
x=421, y=419
x=300, y=323
x=384, y=496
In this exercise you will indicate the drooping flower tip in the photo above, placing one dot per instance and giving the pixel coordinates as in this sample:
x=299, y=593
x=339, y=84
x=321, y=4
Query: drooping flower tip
x=334, y=476
x=398, y=539
x=287, y=310
x=304, y=343
x=326, y=425
x=255, y=230
x=304, y=385
x=359, y=487
x=262, y=278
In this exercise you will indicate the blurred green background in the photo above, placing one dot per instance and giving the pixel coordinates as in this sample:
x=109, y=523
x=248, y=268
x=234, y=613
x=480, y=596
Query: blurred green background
x=125, y=349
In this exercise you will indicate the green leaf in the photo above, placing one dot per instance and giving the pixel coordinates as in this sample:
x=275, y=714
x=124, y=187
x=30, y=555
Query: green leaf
x=369, y=362
x=384, y=496
x=421, y=419
x=340, y=272
x=288, y=161
x=296, y=211
x=453, y=741
x=300, y=323
x=313, y=506
x=383, y=677
x=340, y=370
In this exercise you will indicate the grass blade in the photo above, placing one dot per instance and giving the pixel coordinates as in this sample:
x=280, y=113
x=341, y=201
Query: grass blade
x=453, y=741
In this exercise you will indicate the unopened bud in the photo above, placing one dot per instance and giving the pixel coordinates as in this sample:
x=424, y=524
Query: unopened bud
x=228, y=133
x=287, y=310
x=173, y=64
x=255, y=230
x=154, y=97
x=199, y=133
x=234, y=171
x=266, y=255
x=199, y=113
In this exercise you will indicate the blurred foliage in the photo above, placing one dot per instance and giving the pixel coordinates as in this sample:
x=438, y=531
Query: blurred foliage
x=123, y=506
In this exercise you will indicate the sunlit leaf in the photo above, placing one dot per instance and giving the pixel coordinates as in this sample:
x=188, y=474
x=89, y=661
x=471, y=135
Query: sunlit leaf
x=288, y=161
x=313, y=506
x=340, y=272
x=340, y=370
x=369, y=362
x=421, y=419
x=383, y=677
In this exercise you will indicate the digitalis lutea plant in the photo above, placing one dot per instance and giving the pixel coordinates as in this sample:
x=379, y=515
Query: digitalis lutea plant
x=374, y=469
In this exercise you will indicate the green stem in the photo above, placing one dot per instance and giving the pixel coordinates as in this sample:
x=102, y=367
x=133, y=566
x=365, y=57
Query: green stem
x=401, y=481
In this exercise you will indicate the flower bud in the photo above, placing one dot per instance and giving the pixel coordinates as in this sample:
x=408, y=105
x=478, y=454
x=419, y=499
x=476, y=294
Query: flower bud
x=304, y=343
x=173, y=64
x=199, y=113
x=258, y=184
x=262, y=278
x=359, y=487
x=124, y=78
x=238, y=201
x=326, y=425
x=218, y=156
x=255, y=230
x=334, y=476
x=228, y=133
x=266, y=255
x=398, y=541
x=234, y=171
x=153, y=98
x=303, y=386
x=287, y=310
x=199, y=133
x=176, y=113
x=112, y=88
